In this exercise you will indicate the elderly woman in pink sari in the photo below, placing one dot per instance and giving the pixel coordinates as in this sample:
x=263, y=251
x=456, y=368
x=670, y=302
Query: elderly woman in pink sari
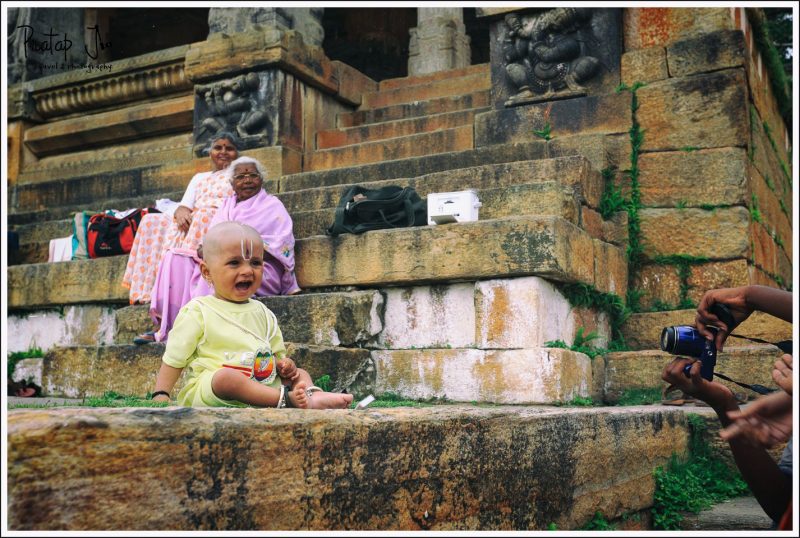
x=179, y=278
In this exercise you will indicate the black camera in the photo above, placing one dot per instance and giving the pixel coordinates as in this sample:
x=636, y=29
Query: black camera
x=686, y=340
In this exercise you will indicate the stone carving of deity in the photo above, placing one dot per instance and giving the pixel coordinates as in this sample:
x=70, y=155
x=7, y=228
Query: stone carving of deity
x=232, y=105
x=544, y=54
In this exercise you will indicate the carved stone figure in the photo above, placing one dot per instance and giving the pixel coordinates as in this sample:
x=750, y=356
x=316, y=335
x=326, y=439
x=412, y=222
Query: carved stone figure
x=232, y=105
x=545, y=55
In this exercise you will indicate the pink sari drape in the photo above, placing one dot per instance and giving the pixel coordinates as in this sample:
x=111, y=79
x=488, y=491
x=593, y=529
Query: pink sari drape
x=179, y=278
x=158, y=232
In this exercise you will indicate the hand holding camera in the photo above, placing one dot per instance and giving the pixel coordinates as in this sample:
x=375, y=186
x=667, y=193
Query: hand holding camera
x=734, y=301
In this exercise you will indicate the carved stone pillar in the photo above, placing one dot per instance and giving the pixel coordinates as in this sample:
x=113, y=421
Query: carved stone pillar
x=305, y=21
x=553, y=53
x=439, y=42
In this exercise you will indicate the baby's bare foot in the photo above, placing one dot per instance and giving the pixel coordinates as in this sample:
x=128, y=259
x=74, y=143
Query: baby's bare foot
x=298, y=397
x=329, y=400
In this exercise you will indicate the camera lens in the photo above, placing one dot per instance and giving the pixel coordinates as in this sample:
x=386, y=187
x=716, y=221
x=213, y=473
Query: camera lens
x=668, y=339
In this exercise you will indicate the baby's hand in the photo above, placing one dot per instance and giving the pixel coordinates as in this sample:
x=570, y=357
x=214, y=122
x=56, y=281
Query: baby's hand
x=287, y=369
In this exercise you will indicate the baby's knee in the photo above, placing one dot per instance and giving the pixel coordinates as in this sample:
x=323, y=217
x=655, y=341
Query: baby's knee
x=225, y=381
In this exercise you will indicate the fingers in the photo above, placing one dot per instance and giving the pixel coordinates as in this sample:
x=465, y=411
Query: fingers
x=782, y=374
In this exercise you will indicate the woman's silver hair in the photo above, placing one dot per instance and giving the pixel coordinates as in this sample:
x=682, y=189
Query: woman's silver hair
x=223, y=135
x=245, y=160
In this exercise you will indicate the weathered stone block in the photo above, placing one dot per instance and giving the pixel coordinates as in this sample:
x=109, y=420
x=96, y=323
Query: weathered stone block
x=416, y=166
x=647, y=27
x=719, y=234
x=140, y=121
x=702, y=111
x=600, y=114
x=521, y=313
x=353, y=84
x=541, y=375
x=709, y=52
x=72, y=326
x=643, y=331
x=610, y=268
x=769, y=207
x=613, y=230
x=79, y=371
x=97, y=469
x=429, y=316
x=709, y=276
x=327, y=319
x=658, y=283
x=713, y=177
x=437, y=88
x=475, y=99
x=78, y=281
x=573, y=172
x=547, y=246
x=644, y=65
x=642, y=369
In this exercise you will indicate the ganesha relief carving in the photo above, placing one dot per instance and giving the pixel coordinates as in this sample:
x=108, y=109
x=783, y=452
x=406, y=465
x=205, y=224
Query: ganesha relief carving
x=234, y=105
x=550, y=54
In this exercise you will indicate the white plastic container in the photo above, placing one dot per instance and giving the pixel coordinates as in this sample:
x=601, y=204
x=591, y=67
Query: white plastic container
x=460, y=206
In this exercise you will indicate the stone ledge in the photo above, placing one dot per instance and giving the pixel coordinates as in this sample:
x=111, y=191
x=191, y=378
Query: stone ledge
x=79, y=371
x=106, y=128
x=403, y=469
x=514, y=376
x=549, y=247
x=628, y=370
x=544, y=246
x=328, y=319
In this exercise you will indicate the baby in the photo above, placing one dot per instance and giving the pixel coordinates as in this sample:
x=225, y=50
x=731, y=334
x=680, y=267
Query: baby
x=231, y=343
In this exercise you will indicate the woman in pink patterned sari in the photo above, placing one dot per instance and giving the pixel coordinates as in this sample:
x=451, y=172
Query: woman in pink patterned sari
x=161, y=231
x=179, y=278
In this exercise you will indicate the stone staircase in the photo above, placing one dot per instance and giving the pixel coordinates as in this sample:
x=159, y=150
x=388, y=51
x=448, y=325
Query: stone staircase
x=460, y=312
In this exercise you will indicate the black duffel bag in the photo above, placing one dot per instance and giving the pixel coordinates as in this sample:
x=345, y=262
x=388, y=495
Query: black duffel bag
x=361, y=209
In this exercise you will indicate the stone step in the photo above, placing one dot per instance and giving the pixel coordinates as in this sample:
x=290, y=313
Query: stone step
x=643, y=331
x=334, y=138
x=739, y=514
x=444, y=141
x=21, y=221
x=543, y=199
x=574, y=171
x=514, y=376
x=548, y=198
x=596, y=148
x=505, y=189
x=550, y=247
x=430, y=90
x=80, y=371
x=427, y=78
x=327, y=319
x=474, y=99
x=636, y=370
x=97, y=468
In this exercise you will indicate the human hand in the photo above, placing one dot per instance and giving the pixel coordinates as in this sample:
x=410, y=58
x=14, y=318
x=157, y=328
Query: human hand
x=183, y=218
x=765, y=422
x=736, y=301
x=782, y=374
x=287, y=369
x=714, y=394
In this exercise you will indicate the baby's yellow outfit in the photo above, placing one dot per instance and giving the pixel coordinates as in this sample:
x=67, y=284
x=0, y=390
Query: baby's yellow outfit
x=210, y=334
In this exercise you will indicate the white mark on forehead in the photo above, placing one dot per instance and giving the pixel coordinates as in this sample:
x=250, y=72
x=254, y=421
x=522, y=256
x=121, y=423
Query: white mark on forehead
x=247, y=248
